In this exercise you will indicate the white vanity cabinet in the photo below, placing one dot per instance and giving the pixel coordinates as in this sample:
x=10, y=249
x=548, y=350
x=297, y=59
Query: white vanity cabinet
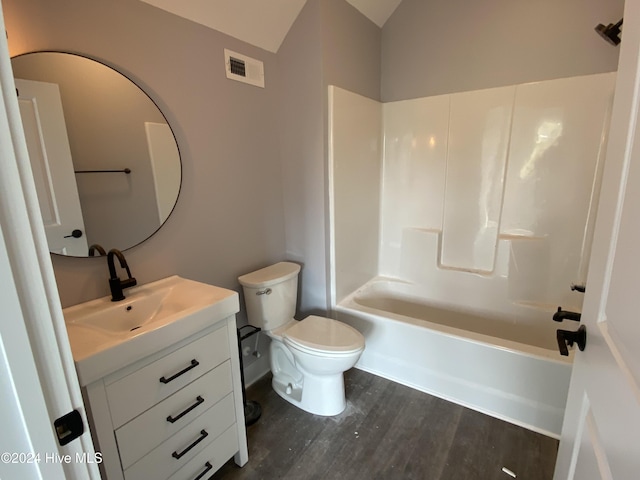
x=175, y=414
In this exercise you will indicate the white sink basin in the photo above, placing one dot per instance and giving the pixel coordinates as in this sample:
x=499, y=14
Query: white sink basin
x=106, y=335
x=143, y=308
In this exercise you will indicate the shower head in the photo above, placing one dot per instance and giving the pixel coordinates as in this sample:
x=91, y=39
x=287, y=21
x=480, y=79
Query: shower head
x=611, y=33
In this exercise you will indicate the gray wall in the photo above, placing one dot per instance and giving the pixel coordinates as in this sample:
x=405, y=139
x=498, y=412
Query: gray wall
x=351, y=49
x=254, y=160
x=229, y=218
x=302, y=150
x=443, y=46
x=329, y=43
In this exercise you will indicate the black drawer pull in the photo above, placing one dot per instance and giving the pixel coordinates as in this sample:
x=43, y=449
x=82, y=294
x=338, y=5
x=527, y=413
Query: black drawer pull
x=203, y=435
x=171, y=419
x=194, y=364
x=204, y=472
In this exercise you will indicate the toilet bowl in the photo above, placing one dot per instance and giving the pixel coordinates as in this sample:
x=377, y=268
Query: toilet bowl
x=308, y=357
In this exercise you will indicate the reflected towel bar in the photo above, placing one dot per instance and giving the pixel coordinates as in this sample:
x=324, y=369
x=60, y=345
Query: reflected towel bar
x=124, y=170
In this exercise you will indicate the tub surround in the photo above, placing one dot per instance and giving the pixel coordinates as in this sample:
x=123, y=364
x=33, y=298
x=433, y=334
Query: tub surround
x=483, y=198
x=481, y=201
x=477, y=144
x=355, y=165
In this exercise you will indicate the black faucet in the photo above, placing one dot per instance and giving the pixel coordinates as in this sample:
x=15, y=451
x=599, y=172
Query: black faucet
x=115, y=284
x=561, y=315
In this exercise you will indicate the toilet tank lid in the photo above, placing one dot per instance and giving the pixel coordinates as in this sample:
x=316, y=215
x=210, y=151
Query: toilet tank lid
x=270, y=275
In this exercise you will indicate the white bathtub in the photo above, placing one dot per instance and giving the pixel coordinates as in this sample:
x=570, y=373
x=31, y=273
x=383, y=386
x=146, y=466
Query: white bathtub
x=506, y=366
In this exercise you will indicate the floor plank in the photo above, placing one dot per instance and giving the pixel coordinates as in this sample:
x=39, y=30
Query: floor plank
x=388, y=431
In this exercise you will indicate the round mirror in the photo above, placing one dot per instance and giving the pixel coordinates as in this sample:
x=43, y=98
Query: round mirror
x=104, y=159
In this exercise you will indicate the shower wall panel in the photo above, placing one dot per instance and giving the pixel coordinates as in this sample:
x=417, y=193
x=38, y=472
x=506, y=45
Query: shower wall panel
x=522, y=170
x=355, y=165
x=483, y=198
x=479, y=125
x=415, y=156
x=557, y=146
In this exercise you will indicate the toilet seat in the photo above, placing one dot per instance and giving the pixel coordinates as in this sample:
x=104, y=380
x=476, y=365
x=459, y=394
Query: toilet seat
x=322, y=335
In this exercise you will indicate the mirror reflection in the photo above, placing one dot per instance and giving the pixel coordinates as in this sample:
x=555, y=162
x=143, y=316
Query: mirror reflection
x=105, y=161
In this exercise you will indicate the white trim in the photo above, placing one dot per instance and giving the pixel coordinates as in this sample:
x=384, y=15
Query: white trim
x=612, y=339
x=598, y=448
x=596, y=366
x=332, y=217
x=25, y=425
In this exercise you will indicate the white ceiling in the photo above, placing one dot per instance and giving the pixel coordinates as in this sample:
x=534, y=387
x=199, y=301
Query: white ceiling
x=259, y=22
x=378, y=11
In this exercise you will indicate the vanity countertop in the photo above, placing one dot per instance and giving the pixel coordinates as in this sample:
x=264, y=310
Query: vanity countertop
x=106, y=336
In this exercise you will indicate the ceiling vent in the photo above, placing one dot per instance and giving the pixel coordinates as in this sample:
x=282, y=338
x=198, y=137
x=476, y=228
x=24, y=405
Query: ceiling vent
x=244, y=69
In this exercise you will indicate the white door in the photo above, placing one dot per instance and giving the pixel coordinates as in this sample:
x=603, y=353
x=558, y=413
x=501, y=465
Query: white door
x=601, y=432
x=38, y=383
x=52, y=166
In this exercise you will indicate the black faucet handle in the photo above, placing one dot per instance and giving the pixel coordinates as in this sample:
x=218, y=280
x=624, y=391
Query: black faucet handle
x=116, y=290
x=567, y=337
x=128, y=283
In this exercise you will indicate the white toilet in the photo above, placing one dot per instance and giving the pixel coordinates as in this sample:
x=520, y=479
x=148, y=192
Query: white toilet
x=308, y=357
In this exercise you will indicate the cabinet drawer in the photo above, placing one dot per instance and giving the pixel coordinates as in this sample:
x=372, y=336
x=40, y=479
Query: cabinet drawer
x=135, y=393
x=154, y=426
x=161, y=462
x=210, y=459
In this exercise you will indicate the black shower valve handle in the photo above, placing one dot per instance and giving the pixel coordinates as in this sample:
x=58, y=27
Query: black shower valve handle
x=568, y=338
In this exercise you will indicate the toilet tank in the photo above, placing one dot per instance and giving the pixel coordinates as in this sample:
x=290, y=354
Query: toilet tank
x=270, y=295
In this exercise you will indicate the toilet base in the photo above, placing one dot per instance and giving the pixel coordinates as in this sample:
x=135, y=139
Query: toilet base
x=321, y=395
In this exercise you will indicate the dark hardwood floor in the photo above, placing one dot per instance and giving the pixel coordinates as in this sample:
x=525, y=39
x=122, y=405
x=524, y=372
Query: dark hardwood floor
x=388, y=431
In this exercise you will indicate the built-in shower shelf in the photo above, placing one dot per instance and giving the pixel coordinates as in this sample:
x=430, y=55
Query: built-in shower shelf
x=520, y=236
x=425, y=230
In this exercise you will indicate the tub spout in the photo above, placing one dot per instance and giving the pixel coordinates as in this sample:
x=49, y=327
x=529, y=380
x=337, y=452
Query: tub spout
x=561, y=315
